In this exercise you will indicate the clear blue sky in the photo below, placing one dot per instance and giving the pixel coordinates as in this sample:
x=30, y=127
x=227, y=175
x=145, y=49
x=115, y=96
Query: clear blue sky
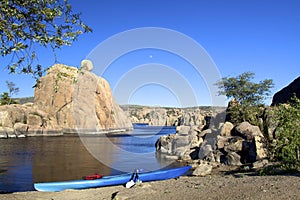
x=251, y=35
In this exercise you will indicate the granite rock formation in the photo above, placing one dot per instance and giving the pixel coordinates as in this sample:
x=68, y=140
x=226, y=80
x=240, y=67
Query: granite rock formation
x=67, y=99
x=238, y=145
x=164, y=116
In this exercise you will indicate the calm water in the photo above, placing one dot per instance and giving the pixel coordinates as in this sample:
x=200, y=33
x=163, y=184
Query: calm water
x=25, y=161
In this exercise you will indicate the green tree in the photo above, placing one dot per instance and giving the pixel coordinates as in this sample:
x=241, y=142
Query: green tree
x=12, y=90
x=24, y=24
x=5, y=99
x=286, y=147
x=247, y=95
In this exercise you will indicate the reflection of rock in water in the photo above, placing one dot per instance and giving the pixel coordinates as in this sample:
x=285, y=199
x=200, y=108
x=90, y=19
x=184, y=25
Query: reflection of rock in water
x=4, y=160
x=3, y=171
x=101, y=148
x=66, y=158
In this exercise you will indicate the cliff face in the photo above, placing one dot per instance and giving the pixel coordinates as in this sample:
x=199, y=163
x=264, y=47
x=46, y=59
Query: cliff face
x=286, y=93
x=66, y=99
x=54, y=94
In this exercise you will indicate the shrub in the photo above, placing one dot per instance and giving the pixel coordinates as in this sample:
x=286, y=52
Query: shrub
x=286, y=146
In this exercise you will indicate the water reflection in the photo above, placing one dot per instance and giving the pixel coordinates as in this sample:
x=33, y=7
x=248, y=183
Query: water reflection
x=15, y=165
x=134, y=150
x=64, y=158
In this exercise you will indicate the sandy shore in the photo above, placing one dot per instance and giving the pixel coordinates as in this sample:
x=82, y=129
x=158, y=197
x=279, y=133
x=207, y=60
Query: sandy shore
x=218, y=186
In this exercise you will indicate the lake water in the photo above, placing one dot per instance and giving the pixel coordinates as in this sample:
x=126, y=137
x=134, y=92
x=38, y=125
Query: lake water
x=25, y=161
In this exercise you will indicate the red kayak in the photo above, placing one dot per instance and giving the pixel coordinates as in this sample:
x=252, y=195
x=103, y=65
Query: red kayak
x=92, y=177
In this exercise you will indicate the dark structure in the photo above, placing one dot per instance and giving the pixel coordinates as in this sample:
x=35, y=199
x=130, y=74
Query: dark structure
x=286, y=93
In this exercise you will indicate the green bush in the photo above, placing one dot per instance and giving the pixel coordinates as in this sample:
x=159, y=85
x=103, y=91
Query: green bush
x=237, y=114
x=286, y=146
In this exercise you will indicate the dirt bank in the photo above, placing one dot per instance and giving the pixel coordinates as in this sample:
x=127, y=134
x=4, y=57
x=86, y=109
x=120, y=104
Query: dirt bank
x=234, y=186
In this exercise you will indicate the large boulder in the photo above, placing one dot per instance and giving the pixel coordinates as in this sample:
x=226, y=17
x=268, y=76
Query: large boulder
x=226, y=129
x=21, y=129
x=205, y=150
x=285, y=94
x=164, y=144
x=173, y=145
x=253, y=146
x=261, y=152
x=247, y=131
x=78, y=99
x=233, y=158
x=203, y=169
x=183, y=145
x=235, y=144
x=183, y=130
x=11, y=114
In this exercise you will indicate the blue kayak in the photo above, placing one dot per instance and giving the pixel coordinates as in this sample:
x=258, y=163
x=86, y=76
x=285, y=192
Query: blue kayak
x=111, y=180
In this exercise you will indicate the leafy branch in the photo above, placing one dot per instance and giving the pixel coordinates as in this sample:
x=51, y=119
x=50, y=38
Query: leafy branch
x=24, y=24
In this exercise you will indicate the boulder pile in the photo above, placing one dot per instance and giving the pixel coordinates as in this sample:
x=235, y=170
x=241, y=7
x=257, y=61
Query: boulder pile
x=226, y=144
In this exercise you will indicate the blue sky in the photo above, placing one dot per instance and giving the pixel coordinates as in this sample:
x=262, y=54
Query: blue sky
x=258, y=36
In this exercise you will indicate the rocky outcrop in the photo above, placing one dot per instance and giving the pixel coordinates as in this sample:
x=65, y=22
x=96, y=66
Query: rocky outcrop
x=285, y=94
x=22, y=120
x=226, y=144
x=79, y=99
x=66, y=100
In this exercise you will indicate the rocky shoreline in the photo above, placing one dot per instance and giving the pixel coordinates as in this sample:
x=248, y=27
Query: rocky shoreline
x=10, y=133
x=229, y=145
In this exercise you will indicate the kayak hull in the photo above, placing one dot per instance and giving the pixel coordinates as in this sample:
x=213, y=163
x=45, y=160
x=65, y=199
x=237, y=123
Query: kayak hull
x=111, y=180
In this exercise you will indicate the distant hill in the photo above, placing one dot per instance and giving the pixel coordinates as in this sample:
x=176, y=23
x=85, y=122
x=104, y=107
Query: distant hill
x=24, y=100
x=207, y=108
